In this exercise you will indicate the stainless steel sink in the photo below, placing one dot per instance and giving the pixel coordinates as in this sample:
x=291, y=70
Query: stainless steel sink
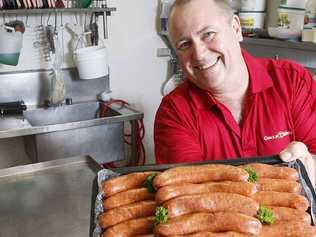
x=12, y=123
x=77, y=130
x=71, y=130
x=64, y=114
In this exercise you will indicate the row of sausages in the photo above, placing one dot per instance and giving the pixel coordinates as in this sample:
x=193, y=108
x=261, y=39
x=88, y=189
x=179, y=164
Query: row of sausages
x=205, y=200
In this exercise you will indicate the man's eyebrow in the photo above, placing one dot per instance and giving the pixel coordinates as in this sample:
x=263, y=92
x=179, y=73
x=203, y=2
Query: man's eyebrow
x=182, y=39
x=198, y=32
x=203, y=29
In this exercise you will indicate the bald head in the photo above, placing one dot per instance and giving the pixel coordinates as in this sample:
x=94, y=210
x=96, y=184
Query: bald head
x=222, y=5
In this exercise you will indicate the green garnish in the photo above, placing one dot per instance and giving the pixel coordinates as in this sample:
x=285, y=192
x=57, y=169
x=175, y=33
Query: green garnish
x=253, y=177
x=149, y=183
x=265, y=215
x=161, y=215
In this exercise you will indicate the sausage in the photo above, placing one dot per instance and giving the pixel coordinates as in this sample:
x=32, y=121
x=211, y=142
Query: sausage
x=213, y=234
x=123, y=183
x=133, y=227
x=213, y=222
x=274, y=172
x=279, y=185
x=292, y=200
x=289, y=214
x=211, y=202
x=199, y=174
x=292, y=229
x=127, y=197
x=171, y=191
x=127, y=212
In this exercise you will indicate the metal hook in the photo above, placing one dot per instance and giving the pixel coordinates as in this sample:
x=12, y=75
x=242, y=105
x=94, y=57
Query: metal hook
x=85, y=19
x=26, y=19
x=76, y=18
x=61, y=20
x=55, y=21
x=47, y=23
x=91, y=18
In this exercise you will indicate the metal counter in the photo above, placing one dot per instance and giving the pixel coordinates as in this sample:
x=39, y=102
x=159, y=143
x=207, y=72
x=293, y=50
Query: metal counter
x=51, y=199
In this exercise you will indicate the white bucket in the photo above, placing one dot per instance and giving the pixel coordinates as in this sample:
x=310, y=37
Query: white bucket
x=250, y=21
x=253, y=5
x=91, y=62
x=89, y=51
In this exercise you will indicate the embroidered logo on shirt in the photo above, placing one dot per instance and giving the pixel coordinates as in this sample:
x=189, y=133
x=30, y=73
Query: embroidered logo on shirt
x=279, y=135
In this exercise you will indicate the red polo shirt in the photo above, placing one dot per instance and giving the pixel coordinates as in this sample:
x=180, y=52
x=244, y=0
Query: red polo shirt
x=190, y=125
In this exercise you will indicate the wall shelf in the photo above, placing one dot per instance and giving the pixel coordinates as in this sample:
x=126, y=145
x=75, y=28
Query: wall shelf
x=280, y=43
x=301, y=52
x=57, y=10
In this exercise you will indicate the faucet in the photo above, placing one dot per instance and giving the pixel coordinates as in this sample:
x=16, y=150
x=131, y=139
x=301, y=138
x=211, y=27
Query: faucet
x=12, y=108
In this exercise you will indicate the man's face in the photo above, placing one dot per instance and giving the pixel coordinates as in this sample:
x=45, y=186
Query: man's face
x=207, y=43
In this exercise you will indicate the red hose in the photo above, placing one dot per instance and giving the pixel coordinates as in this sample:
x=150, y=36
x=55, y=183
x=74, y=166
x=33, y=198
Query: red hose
x=140, y=134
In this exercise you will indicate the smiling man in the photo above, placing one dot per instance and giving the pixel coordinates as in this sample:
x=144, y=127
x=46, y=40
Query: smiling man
x=231, y=104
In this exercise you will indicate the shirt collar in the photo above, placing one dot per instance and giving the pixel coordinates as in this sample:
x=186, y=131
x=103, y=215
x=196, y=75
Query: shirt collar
x=258, y=77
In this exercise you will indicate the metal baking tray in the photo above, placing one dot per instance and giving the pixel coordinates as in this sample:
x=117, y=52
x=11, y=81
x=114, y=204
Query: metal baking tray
x=51, y=198
x=308, y=189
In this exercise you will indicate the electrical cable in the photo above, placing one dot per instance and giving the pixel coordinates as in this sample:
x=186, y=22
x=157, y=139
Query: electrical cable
x=139, y=134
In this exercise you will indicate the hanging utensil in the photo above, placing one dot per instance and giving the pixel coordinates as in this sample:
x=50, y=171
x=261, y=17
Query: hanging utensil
x=94, y=30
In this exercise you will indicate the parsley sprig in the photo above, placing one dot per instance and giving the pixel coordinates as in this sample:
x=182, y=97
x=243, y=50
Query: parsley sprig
x=253, y=176
x=161, y=215
x=149, y=183
x=265, y=215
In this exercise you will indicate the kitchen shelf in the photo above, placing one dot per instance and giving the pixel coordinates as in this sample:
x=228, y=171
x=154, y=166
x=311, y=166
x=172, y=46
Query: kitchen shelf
x=108, y=10
x=302, y=52
x=308, y=46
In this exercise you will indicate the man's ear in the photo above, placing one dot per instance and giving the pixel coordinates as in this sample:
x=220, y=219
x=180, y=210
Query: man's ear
x=237, y=27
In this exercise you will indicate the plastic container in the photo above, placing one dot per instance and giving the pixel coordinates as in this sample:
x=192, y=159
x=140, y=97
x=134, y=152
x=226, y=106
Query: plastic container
x=250, y=21
x=309, y=35
x=284, y=33
x=293, y=3
x=90, y=51
x=310, y=14
x=289, y=24
x=291, y=18
x=10, y=46
x=253, y=5
x=91, y=62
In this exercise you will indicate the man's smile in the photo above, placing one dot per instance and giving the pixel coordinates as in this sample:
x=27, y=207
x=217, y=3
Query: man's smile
x=203, y=67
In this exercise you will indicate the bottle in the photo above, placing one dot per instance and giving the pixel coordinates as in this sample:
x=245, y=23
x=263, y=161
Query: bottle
x=309, y=30
x=310, y=14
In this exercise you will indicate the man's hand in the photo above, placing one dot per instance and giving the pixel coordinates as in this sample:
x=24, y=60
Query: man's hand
x=298, y=150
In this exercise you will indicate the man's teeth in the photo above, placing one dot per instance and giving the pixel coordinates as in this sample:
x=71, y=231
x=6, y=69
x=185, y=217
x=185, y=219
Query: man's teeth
x=205, y=66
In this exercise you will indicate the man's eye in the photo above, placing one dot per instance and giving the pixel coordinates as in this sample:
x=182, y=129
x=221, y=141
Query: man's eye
x=183, y=45
x=209, y=34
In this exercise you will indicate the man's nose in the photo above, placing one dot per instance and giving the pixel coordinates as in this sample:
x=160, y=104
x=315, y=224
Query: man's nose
x=199, y=50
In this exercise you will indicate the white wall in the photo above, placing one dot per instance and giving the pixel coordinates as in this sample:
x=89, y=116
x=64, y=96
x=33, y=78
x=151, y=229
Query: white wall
x=136, y=72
